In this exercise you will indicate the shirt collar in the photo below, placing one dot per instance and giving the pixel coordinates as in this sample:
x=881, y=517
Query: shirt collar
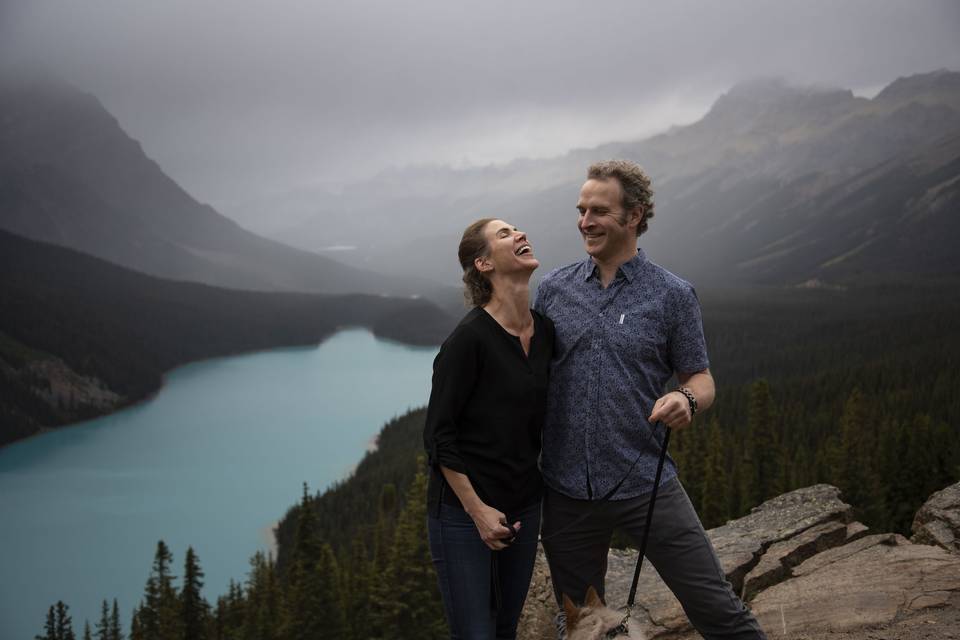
x=630, y=269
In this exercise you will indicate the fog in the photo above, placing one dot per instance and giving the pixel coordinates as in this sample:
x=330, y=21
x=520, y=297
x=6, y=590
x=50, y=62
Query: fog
x=243, y=102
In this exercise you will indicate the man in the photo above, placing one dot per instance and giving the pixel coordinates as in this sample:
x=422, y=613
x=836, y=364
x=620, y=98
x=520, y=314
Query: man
x=624, y=327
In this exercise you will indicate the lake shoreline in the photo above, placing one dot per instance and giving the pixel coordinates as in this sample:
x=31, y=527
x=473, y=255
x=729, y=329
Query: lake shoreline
x=152, y=394
x=211, y=461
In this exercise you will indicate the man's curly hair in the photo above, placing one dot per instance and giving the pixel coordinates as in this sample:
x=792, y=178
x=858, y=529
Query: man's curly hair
x=635, y=183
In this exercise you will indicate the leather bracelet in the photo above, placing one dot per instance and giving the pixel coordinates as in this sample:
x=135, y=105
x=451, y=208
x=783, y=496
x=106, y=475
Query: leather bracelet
x=692, y=399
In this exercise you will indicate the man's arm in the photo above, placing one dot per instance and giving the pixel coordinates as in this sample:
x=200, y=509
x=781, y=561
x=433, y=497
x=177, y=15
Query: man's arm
x=673, y=409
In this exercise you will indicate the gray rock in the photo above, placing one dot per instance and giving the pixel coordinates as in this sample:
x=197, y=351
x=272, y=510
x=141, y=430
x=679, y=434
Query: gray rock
x=804, y=566
x=780, y=557
x=871, y=581
x=938, y=520
x=739, y=543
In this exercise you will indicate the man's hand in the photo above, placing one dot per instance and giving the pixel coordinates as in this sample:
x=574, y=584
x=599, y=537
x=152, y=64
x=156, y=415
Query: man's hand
x=673, y=410
x=489, y=522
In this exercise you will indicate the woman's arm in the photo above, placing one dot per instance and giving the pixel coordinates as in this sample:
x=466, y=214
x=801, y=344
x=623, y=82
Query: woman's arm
x=489, y=521
x=454, y=378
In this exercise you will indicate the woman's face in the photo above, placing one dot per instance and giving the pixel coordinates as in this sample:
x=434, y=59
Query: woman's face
x=508, y=250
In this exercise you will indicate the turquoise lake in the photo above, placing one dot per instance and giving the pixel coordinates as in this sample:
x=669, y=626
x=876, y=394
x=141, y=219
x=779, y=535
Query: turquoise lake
x=212, y=461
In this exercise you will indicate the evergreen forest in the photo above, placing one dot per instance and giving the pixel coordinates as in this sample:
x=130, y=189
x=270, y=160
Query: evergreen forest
x=81, y=337
x=854, y=388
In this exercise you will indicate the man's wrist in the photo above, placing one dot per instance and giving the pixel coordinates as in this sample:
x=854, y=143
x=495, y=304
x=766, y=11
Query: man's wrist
x=690, y=398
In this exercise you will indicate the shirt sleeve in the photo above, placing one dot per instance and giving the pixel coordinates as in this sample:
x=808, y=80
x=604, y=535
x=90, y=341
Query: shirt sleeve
x=688, y=347
x=455, y=373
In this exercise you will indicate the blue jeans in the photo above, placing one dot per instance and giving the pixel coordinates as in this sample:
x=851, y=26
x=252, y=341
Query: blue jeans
x=469, y=572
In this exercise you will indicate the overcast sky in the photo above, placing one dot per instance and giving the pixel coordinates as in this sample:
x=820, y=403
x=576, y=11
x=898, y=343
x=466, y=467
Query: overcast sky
x=238, y=100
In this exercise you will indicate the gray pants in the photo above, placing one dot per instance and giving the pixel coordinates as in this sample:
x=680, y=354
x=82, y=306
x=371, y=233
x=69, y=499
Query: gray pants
x=678, y=547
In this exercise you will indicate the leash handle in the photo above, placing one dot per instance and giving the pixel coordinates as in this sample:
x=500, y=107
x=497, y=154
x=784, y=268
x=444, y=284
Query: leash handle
x=646, y=526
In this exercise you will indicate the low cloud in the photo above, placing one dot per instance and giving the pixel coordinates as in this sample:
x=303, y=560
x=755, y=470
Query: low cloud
x=239, y=99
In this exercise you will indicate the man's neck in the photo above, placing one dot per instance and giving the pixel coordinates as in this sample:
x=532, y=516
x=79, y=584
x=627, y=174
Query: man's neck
x=608, y=268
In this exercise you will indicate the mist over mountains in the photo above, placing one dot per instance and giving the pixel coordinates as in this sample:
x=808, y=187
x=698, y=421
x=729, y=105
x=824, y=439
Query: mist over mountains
x=71, y=176
x=776, y=184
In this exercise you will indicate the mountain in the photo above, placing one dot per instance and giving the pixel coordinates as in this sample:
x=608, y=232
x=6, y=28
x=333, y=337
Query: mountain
x=776, y=184
x=80, y=336
x=70, y=175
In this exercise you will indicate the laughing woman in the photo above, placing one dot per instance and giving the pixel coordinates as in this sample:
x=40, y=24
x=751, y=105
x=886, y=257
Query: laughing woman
x=482, y=437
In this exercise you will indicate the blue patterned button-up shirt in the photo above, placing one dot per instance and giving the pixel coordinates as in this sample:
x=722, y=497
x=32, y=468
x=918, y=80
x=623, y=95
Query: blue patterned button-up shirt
x=615, y=350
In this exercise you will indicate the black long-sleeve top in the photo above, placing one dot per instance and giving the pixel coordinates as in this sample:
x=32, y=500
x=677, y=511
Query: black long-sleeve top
x=486, y=411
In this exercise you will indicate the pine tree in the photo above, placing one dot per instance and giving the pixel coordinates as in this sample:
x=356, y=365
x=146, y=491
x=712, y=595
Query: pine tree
x=86, y=630
x=383, y=530
x=136, y=628
x=856, y=473
x=228, y=620
x=64, y=623
x=763, y=454
x=713, y=507
x=194, y=610
x=115, y=632
x=59, y=624
x=50, y=627
x=692, y=460
x=159, y=615
x=357, y=582
x=103, y=627
x=734, y=509
x=409, y=603
x=264, y=605
x=314, y=607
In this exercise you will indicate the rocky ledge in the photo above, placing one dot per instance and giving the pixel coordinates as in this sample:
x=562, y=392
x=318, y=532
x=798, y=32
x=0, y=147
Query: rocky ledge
x=808, y=570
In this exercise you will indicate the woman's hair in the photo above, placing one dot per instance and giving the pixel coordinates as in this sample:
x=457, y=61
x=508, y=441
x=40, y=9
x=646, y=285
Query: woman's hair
x=477, y=288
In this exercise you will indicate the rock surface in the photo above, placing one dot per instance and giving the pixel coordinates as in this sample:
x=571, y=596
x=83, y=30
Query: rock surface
x=805, y=568
x=938, y=520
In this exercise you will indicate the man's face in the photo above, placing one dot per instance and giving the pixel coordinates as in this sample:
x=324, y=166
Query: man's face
x=608, y=232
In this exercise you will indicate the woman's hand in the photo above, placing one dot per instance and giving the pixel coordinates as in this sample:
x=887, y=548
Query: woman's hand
x=491, y=525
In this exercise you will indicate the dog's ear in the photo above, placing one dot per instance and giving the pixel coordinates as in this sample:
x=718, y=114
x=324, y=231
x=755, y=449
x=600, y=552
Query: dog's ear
x=593, y=600
x=572, y=612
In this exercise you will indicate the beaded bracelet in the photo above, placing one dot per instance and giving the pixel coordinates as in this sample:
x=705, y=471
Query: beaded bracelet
x=692, y=399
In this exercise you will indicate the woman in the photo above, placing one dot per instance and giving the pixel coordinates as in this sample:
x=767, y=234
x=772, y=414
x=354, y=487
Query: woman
x=482, y=437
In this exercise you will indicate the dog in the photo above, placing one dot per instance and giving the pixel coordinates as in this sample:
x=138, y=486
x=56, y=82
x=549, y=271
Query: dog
x=596, y=621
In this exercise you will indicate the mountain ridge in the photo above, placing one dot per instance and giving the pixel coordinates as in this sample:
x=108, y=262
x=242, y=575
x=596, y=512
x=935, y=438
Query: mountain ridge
x=761, y=159
x=53, y=132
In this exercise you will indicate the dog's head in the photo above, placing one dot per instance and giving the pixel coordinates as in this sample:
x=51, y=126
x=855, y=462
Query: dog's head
x=596, y=621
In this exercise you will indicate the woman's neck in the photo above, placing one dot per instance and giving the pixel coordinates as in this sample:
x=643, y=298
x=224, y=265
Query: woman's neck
x=510, y=305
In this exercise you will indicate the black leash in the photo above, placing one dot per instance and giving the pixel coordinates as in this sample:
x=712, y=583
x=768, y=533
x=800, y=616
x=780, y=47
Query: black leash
x=622, y=628
x=646, y=527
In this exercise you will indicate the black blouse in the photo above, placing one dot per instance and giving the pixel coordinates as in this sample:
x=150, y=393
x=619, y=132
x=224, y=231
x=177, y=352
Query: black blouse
x=486, y=411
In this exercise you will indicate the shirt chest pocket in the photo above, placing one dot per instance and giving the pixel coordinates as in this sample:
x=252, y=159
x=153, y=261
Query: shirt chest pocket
x=639, y=336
